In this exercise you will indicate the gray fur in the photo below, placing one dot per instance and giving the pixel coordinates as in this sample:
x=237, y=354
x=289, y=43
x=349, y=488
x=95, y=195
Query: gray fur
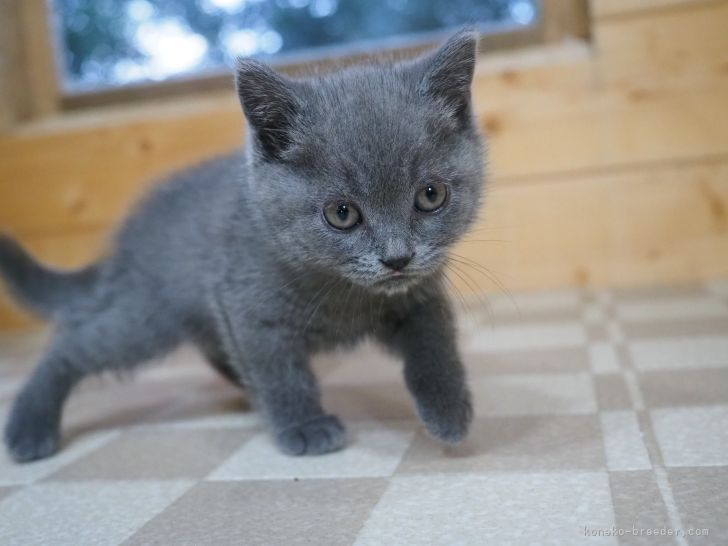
x=235, y=255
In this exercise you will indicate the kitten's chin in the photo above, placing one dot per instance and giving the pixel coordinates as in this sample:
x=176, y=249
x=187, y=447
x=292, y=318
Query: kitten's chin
x=393, y=286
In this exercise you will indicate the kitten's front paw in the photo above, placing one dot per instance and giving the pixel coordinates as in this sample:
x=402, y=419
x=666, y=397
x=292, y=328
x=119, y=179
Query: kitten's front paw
x=447, y=419
x=28, y=440
x=321, y=435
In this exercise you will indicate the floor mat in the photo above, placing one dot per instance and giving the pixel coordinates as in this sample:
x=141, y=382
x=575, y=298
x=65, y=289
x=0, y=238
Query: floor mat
x=601, y=417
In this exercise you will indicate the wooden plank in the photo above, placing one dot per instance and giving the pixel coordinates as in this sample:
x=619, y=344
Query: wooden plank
x=610, y=8
x=661, y=224
x=583, y=113
x=11, y=73
x=90, y=176
x=654, y=89
x=609, y=161
x=609, y=132
x=38, y=43
x=658, y=224
x=676, y=49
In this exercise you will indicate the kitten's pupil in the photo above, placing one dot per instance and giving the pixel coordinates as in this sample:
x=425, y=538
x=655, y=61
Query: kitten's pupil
x=431, y=193
x=342, y=212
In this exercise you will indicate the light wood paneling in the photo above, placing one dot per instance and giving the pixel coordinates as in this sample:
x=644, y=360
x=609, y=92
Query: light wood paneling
x=11, y=76
x=611, y=8
x=657, y=224
x=608, y=160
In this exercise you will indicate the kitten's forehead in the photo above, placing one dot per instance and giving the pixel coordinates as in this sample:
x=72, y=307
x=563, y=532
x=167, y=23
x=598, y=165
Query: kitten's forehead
x=362, y=97
x=372, y=118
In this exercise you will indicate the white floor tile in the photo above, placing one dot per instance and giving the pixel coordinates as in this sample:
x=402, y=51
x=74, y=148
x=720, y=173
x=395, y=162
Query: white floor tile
x=12, y=473
x=695, y=436
x=623, y=442
x=81, y=514
x=603, y=358
x=464, y=509
x=680, y=353
x=532, y=336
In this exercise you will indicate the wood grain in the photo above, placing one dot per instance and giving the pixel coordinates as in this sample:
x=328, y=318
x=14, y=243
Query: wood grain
x=607, y=160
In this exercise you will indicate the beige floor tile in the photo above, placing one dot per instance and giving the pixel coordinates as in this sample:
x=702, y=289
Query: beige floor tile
x=470, y=509
x=672, y=309
x=265, y=513
x=597, y=333
x=612, y=392
x=533, y=394
x=718, y=287
x=156, y=454
x=696, y=327
x=514, y=444
x=573, y=359
x=375, y=449
x=202, y=402
x=680, y=354
x=368, y=364
x=81, y=514
x=692, y=436
x=501, y=309
x=701, y=496
x=104, y=403
x=375, y=401
x=685, y=387
x=638, y=507
x=178, y=455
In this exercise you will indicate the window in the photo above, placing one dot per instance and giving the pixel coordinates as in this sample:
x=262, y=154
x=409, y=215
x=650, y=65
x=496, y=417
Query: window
x=107, y=43
x=60, y=55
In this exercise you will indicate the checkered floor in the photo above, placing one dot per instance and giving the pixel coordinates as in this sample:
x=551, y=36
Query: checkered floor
x=601, y=418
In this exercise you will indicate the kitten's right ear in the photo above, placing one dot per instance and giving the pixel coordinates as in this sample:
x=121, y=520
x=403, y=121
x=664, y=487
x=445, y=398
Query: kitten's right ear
x=270, y=105
x=449, y=73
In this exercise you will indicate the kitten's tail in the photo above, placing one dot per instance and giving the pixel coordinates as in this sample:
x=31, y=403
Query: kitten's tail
x=40, y=288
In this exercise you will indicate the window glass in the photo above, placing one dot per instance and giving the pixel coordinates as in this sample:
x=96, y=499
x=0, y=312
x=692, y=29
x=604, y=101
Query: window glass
x=105, y=43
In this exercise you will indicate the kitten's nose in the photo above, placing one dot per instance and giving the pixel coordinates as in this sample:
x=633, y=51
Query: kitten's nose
x=398, y=263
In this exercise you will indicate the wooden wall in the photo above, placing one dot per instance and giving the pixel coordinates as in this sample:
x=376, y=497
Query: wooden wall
x=608, y=160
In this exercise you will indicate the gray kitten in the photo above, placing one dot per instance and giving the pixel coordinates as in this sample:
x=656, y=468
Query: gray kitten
x=334, y=226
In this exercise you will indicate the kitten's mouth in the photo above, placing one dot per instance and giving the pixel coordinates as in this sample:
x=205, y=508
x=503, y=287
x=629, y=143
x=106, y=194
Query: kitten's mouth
x=395, y=282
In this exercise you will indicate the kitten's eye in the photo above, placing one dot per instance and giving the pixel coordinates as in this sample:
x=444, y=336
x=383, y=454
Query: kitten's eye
x=431, y=197
x=342, y=215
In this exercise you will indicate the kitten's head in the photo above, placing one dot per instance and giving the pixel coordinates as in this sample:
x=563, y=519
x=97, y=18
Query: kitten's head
x=371, y=173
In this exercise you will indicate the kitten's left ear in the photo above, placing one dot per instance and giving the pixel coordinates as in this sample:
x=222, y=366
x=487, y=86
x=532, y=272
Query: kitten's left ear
x=270, y=104
x=449, y=73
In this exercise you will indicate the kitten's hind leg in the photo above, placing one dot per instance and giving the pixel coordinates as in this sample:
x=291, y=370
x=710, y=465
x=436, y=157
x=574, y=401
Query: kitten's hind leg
x=32, y=430
x=116, y=338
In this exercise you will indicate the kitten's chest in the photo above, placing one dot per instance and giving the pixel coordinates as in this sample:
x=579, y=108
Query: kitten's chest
x=344, y=319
